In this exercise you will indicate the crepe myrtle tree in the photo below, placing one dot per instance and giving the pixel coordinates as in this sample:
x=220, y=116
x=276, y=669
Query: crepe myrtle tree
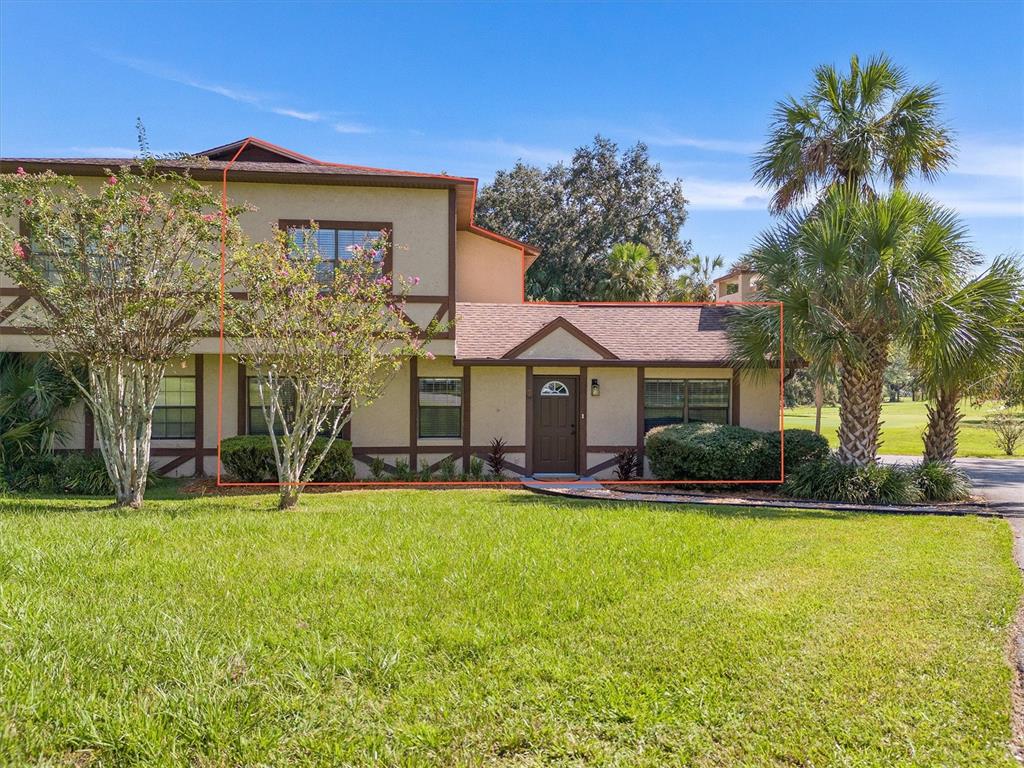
x=124, y=280
x=320, y=342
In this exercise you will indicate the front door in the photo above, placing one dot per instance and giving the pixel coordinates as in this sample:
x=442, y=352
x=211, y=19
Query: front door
x=554, y=424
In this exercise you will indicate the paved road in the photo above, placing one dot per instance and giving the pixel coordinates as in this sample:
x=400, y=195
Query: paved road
x=1000, y=481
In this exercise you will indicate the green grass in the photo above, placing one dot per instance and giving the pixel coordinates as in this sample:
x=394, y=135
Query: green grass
x=904, y=424
x=499, y=628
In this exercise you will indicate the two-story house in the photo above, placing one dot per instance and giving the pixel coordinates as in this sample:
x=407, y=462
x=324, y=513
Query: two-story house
x=566, y=386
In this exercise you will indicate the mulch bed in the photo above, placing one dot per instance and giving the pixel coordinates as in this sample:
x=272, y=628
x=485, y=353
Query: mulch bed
x=207, y=486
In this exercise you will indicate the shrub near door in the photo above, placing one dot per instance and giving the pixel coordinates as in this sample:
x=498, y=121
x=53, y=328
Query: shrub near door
x=724, y=452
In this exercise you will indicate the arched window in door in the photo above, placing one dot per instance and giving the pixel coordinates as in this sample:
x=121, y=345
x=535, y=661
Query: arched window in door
x=554, y=389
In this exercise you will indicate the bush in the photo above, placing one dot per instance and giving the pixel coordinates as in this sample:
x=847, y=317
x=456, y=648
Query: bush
x=74, y=472
x=941, y=481
x=830, y=480
x=802, y=446
x=86, y=474
x=725, y=452
x=250, y=459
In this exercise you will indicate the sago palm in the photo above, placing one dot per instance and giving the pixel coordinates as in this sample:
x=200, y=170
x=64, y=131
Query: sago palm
x=852, y=276
x=959, y=342
x=631, y=274
x=856, y=128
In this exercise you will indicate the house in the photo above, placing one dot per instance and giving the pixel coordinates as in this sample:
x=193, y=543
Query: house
x=567, y=386
x=739, y=284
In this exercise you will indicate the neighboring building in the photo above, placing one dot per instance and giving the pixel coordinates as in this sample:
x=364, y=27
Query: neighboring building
x=739, y=284
x=567, y=386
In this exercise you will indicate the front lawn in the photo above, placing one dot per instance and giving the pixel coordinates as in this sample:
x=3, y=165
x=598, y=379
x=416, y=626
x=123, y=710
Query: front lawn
x=499, y=628
x=903, y=425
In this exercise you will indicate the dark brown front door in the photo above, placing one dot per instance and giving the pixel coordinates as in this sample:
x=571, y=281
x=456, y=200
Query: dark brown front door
x=554, y=424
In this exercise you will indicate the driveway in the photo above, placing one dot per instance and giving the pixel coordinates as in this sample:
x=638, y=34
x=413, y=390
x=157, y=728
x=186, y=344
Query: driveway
x=1000, y=481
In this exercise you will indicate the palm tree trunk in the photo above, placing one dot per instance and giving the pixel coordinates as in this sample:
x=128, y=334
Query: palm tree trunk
x=860, y=406
x=819, y=400
x=943, y=430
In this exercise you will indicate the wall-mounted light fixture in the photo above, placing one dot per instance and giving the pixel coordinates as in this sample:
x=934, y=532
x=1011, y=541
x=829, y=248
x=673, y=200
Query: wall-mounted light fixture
x=595, y=388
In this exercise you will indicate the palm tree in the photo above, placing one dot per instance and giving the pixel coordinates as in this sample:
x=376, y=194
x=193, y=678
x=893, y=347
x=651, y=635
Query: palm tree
x=697, y=283
x=34, y=394
x=631, y=274
x=959, y=341
x=852, y=276
x=853, y=129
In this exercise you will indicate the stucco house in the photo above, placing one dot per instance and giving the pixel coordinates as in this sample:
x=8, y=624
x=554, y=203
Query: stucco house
x=567, y=386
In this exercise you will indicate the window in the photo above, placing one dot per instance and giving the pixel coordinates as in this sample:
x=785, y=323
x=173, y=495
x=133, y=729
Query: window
x=333, y=243
x=257, y=422
x=174, y=416
x=678, y=401
x=731, y=288
x=554, y=389
x=708, y=401
x=440, y=408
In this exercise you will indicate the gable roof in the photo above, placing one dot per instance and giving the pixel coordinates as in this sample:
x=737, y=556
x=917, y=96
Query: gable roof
x=630, y=333
x=559, y=323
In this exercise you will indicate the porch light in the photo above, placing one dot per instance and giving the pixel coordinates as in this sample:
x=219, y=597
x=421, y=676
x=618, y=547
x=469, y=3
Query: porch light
x=595, y=388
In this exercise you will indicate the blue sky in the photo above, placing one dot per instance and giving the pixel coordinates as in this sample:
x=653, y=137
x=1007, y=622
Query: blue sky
x=468, y=89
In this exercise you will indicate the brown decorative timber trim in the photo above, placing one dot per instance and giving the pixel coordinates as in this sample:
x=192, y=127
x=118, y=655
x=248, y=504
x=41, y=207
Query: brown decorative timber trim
x=386, y=226
x=466, y=422
x=15, y=291
x=243, y=396
x=735, y=404
x=174, y=463
x=529, y=420
x=429, y=449
x=600, y=363
x=90, y=430
x=368, y=460
x=200, y=397
x=583, y=390
x=603, y=465
x=554, y=325
x=425, y=299
x=608, y=448
x=452, y=223
x=640, y=412
x=414, y=402
x=13, y=307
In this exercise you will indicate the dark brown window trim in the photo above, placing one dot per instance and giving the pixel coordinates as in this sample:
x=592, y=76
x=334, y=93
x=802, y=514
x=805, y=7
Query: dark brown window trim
x=387, y=226
x=197, y=408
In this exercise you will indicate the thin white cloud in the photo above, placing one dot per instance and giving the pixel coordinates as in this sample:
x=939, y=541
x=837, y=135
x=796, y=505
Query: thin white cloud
x=351, y=128
x=729, y=146
x=981, y=158
x=505, y=150
x=262, y=101
x=309, y=117
x=723, y=195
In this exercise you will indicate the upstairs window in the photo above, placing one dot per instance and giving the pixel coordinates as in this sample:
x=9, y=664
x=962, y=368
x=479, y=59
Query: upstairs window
x=681, y=401
x=333, y=241
x=440, y=408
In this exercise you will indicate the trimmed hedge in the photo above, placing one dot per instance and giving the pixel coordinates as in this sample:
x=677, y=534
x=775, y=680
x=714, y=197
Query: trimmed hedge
x=725, y=452
x=250, y=459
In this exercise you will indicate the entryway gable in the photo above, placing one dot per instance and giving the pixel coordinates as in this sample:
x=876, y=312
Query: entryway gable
x=559, y=340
